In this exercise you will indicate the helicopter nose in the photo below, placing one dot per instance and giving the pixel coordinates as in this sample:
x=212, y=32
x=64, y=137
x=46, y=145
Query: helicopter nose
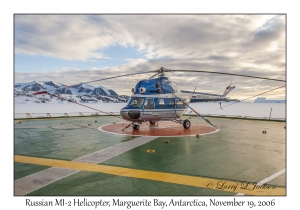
x=124, y=114
x=130, y=114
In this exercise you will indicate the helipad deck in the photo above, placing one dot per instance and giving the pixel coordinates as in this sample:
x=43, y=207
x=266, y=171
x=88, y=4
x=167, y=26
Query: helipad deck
x=159, y=129
x=72, y=156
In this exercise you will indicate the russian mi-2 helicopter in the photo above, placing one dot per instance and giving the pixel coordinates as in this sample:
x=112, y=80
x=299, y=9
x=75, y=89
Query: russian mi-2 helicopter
x=159, y=99
x=154, y=100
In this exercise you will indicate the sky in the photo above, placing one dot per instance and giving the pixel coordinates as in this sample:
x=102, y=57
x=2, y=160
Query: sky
x=70, y=49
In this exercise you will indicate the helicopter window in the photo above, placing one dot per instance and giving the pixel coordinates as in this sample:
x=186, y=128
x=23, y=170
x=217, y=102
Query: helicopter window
x=161, y=103
x=171, y=103
x=149, y=104
x=179, y=104
x=137, y=102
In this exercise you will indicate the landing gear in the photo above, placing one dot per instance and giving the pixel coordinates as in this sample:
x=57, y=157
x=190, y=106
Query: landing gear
x=186, y=124
x=135, y=127
x=152, y=122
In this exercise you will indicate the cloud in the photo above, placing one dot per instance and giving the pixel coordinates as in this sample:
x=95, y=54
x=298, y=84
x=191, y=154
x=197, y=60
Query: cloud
x=242, y=44
x=175, y=36
x=69, y=37
x=246, y=87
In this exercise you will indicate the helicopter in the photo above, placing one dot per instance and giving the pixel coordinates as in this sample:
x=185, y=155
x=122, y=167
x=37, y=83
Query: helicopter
x=159, y=99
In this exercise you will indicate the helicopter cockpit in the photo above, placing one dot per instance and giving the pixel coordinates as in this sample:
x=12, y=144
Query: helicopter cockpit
x=136, y=102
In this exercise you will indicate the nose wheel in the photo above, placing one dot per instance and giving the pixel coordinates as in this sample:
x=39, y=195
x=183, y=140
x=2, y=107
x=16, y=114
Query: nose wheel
x=135, y=127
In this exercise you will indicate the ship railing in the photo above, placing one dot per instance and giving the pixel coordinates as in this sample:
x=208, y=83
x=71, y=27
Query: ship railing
x=96, y=114
x=62, y=114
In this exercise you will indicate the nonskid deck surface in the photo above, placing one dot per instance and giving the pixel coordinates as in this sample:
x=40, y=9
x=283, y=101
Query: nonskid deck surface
x=73, y=157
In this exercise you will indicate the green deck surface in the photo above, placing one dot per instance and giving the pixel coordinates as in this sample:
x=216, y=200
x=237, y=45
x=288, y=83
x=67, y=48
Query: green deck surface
x=64, y=139
x=238, y=152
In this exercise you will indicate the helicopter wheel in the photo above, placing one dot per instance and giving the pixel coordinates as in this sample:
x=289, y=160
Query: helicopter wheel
x=186, y=124
x=152, y=122
x=135, y=127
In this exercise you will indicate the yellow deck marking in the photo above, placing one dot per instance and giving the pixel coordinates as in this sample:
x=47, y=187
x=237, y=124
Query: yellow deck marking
x=17, y=121
x=223, y=185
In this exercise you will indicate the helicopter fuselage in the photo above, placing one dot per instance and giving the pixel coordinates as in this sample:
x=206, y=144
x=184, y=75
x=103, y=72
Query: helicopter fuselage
x=155, y=100
x=154, y=107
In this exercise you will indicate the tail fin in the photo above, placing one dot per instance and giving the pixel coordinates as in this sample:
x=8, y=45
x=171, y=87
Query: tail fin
x=228, y=89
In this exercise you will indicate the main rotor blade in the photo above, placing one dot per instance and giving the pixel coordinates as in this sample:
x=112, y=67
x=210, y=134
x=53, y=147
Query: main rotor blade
x=107, y=78
x=239, y=75
x=124, y=75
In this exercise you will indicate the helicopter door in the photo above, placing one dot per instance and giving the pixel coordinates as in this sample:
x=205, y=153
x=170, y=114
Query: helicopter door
x=148, y=106
x=179, y=108
x=169, y=112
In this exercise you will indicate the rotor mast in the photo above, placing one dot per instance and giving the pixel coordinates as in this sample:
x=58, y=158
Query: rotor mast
x=159, y=72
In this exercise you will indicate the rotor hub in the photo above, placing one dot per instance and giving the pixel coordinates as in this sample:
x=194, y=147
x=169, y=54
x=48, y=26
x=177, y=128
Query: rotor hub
x=160, y=72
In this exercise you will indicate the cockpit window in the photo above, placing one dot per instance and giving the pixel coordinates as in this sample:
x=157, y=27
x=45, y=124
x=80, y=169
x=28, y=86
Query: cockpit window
x=136, y=102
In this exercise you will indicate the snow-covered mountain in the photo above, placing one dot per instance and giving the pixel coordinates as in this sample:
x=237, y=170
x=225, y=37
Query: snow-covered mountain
x=82, y=93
